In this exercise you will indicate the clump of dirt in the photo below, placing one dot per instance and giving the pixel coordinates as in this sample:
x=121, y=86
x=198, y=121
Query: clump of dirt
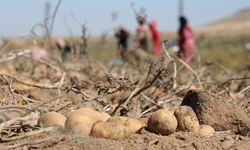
x=218, y=112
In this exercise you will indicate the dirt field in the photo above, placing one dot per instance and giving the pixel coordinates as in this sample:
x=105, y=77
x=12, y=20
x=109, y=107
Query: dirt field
x=25, y=97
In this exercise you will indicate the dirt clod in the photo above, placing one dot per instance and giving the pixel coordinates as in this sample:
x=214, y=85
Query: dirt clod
x=217, y=112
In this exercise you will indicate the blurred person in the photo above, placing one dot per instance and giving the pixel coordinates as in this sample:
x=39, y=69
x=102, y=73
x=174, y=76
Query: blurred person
x=248, y=47
x=186, y=41
x=37, y=54
x=155, y=36
x=141, y=34
x=64, y=48
x=122, y=36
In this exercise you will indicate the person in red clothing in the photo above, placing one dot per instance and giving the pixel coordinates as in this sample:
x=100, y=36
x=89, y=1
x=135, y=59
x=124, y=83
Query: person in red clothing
x=156, y=37
x=186, y=41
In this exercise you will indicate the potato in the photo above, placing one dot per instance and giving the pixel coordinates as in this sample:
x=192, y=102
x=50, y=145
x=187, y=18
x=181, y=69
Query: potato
x=162, y=122
x=82, y=120
x=105, y=116
x=206, y=130
x=144, y=119
x=87, y=111
x=52, y=119
x=78, y=124
x=109, y=130
x=133, y=125
x=187, y=119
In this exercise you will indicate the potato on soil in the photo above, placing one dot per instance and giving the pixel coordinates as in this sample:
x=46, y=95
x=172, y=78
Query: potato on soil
x=206, y=130
x=109, y=130
x=144, y=119
x=133, y=125
x=52, y=119
x=105, y=116
x=187, y=119
x=82, y=120
x=162, y=122
x=87, y=111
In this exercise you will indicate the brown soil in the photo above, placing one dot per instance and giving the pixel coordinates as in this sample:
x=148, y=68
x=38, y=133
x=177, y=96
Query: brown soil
x=145, y=140
x=94, y=84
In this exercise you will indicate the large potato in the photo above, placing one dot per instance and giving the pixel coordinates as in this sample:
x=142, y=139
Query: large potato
x=162, y=122
x=52, y=119
x=104, y=116
x=187, y=119
x=109, y=130
x=82, y=120
x=206, y=130
x=144, y=119
x=133, y=125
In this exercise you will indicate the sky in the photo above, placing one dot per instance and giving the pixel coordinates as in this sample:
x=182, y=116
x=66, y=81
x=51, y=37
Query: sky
x=19, y=16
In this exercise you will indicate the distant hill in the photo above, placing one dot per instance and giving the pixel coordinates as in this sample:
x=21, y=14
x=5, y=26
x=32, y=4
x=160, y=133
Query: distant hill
x=238, y=22
x=242, y=16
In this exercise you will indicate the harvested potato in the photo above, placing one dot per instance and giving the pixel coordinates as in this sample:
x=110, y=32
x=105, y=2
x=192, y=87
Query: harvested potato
x=87, y=111
x=105, y=116
x=78, y=124
x=187, y=119
x=82, y=120
x=162, y=122
x=144, y=119
x=109, y=130
x=206, y=130
x=52, y=119
x=133, y=125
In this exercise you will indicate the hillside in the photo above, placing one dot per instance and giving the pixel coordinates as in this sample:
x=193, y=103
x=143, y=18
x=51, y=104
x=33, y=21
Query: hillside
x=237, y=23
x=242, y=16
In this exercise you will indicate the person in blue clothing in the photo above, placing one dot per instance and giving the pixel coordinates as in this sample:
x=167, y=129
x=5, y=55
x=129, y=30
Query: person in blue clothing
x=64, y=48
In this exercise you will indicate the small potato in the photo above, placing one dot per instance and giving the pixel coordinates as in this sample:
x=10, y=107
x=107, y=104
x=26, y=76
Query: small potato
x=82, y=120
x=133, y=125
x=162, y=122
x=109, y=130
x=206, y=130
x=187, y=119
x=78, y=124
x=52, y=119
